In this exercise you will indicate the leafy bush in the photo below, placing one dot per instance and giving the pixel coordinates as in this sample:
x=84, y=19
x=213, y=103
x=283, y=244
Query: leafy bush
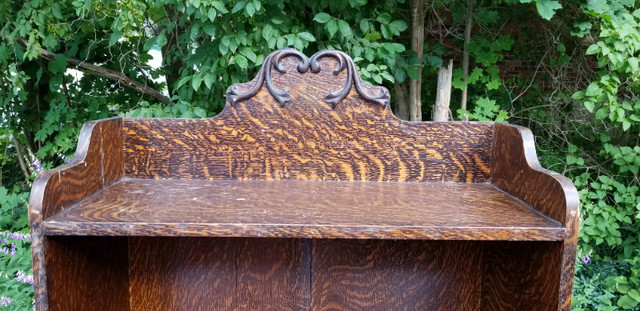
x=16, y=280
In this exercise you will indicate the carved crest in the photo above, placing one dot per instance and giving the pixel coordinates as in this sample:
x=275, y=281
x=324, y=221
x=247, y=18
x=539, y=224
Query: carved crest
x=272, y=61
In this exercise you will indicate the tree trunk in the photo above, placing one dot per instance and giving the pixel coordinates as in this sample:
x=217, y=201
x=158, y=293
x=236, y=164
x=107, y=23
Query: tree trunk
x=23, y=166
x=465, y=53
x=172, y=64
x=443, y=94
x=401, y=100
x=417, y=44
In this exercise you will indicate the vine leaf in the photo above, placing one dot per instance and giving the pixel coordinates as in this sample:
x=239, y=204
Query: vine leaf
x=547, y=8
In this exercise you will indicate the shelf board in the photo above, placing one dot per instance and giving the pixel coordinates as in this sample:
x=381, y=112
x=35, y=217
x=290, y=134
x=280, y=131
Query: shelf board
x=305, y=209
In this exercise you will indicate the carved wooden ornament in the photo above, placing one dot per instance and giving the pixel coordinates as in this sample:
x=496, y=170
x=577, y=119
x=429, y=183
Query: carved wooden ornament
x=282, y=95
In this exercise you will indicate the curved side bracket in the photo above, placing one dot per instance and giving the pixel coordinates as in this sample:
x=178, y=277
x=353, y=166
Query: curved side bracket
x=272, y=61
x=516, y=170
x=97, y=163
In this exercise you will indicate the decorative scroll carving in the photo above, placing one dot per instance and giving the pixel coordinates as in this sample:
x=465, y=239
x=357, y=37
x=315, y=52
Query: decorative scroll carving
x=283, y=95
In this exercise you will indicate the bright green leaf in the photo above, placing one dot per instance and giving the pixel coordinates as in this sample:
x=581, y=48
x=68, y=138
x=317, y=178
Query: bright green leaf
x=208, y=80
x=364, y=25
x=593, y=49
x=589, y=105
x=369, y=54
x=219, y=5
x=199, y=112
x=547, y=8
x=182, y=81
x=149, y=43
x=237, y=7
x=307, y=36
x=634, y=294
x=322, y=18
x=332, y=27
x=627, y=302
x=250, y=9
x=241, y=61
x=212, y=14
x=55, y=10
x=384, y=18
x=494, y=84
x=209, y=29
x=633, y=64
x=115, y=37
x=267, y=31
x=398, y=26
x=249, y=54
x=345, y=29
x=578, y=95
x=161, y=40
x=297, y=44
x=195, y=82
x=593, y=90
x=387, y=33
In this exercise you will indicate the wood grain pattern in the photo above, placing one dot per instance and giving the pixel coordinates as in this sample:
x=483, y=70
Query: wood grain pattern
x=219, y=274
x=396, y=275
x=87, y=273
x=307, y=209
x=257, y=138
x=273, y=274
x=56, y=189
x=516, y=170
x=521, y=276
x=363, y=211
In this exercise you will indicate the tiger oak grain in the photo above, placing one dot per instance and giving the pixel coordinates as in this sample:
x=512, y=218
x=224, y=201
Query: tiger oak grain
x=304, y=193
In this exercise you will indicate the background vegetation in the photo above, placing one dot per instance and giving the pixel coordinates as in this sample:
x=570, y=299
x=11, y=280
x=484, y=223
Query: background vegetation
x=569, y=70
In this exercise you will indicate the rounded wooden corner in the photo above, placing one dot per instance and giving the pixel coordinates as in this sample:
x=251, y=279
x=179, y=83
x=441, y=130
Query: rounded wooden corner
x=515, y=145
x=89, y=139
x=39, y=186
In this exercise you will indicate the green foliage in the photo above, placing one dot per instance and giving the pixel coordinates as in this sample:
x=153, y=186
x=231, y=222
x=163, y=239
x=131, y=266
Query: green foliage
x=602, y=284
x=16, y=281
x=487, y=55
x=485, y=109
x=546, y=8
x=13, y=209
x=609, y=194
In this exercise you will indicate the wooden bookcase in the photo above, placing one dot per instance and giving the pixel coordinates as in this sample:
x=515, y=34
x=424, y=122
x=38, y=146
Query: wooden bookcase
x=305, y=193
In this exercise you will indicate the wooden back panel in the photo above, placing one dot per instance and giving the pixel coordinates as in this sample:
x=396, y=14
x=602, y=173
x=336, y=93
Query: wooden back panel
x=304, y=118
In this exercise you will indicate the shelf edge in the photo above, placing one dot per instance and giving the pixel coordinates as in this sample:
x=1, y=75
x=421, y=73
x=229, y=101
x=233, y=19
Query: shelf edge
x=52, y=228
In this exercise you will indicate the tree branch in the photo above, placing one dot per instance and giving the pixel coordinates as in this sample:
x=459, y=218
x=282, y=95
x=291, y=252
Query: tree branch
x=109, y=74
x=23, y=166
x=465, y=53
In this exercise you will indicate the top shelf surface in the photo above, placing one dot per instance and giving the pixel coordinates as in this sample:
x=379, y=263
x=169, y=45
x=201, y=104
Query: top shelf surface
x=305, y=209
